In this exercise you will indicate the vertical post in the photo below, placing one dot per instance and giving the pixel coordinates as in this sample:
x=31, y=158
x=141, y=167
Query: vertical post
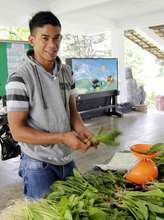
x=117, y=48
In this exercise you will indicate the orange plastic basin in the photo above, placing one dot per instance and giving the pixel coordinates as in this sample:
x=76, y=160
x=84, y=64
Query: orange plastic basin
x=143, y=147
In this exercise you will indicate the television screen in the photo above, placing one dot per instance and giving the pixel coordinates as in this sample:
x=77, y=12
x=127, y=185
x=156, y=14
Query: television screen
x=94, y=74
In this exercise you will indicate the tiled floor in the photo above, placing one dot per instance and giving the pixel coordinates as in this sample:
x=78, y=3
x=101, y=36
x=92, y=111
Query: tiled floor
x=136, y=127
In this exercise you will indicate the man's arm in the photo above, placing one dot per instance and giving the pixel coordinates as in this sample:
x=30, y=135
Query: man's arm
x=76, y=121
x=23, y=133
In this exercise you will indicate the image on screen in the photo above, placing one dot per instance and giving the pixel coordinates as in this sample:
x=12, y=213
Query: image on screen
x=94, y=74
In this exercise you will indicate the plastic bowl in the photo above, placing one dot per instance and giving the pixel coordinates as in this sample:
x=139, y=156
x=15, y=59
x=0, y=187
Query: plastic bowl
x=143, y=147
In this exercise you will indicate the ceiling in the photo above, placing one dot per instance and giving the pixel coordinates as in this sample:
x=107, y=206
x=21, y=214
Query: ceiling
x=96, y=16
x=87, y=16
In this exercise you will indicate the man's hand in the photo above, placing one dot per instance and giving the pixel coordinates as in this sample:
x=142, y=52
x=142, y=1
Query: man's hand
x=73, y=140
x=86, y=136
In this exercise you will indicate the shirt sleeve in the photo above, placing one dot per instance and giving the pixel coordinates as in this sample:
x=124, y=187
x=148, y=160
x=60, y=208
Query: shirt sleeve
x=16, y=94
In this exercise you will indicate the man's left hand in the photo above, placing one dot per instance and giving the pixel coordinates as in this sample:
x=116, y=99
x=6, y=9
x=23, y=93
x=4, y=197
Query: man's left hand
x=86, y=136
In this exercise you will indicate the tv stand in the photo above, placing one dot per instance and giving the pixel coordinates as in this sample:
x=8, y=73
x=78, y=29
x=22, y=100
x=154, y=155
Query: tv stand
x=97, y=104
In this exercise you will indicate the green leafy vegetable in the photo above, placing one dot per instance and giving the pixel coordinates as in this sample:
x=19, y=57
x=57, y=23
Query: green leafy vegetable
x=96, y=214
x=105, y=196
x=153, y=149
x=106, y=138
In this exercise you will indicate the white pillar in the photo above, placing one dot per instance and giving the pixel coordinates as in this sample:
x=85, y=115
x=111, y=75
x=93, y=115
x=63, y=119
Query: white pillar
x=117, y=49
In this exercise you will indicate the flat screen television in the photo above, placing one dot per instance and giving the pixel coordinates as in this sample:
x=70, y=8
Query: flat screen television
x=94, y=75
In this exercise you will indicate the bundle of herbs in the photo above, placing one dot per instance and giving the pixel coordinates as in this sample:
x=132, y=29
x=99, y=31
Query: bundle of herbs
x=144, y=205
x=41, y=210
x=102, y=197
x=107, y=138
x=107, y=194
x=76, y=184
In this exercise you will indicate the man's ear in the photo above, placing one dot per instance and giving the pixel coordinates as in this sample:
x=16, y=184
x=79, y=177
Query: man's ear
x=31, y=40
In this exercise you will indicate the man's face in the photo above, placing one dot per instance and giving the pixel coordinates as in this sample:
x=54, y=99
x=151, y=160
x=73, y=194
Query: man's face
x=46, y=42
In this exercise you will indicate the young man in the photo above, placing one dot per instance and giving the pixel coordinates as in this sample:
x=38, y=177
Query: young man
x=41, y=109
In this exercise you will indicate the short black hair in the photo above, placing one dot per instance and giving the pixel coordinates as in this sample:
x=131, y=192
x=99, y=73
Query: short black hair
x=42, y=18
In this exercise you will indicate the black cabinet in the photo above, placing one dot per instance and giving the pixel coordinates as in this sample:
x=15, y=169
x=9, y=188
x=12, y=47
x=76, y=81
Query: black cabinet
x=97, y=104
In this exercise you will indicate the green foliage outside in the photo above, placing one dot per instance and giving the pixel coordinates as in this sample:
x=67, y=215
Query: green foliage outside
x=85, y=46
x=13, y=33
x=147, y=70
x=134, y=58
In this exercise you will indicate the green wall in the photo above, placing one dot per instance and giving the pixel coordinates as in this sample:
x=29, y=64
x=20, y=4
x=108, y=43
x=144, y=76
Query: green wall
x=3, y=63
x=3, y=67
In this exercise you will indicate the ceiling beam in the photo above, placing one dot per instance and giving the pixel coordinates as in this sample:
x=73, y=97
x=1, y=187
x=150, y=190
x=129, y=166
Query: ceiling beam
x=154, y=38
